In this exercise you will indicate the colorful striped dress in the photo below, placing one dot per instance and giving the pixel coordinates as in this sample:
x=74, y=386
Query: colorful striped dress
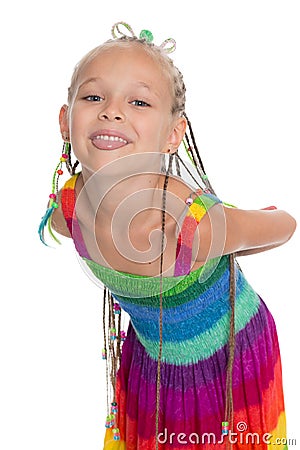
x=196, y=315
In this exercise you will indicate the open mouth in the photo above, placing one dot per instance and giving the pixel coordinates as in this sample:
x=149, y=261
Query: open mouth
x=108, y=141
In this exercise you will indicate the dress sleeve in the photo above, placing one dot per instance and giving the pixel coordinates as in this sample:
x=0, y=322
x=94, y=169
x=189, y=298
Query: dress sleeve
x=196, y=211
x=68, y=202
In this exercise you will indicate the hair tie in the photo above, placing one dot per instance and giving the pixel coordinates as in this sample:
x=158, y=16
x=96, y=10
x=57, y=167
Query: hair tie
x=169, y=45
x=117, y=33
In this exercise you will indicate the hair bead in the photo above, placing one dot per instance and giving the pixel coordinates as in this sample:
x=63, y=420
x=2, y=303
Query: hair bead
x=147, y=35
x=123, y=336
x=225, y=428
x=114, y=408
x=113, y=335
x=110, y=421
x=116, y=433
x=117, y=309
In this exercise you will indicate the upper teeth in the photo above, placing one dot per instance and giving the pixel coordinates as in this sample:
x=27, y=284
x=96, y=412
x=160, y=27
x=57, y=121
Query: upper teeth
x=105, y=137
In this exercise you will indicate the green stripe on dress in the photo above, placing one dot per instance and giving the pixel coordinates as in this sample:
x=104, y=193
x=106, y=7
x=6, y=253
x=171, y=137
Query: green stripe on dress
x=144, y=290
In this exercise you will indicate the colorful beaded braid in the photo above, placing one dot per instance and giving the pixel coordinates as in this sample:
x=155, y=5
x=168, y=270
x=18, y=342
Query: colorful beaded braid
x=52, y=205
x=111, y=353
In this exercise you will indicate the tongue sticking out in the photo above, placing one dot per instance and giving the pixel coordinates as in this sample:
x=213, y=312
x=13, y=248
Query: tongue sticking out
x=108, y=143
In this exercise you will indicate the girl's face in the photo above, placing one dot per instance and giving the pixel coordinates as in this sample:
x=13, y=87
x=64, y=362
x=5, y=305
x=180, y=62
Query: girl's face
x=122, y=106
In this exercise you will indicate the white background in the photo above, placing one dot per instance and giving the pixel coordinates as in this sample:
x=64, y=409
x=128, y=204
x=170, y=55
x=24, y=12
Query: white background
x=241, y=65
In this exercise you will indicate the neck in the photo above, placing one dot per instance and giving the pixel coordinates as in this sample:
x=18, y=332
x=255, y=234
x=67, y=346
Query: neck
x=137, y=196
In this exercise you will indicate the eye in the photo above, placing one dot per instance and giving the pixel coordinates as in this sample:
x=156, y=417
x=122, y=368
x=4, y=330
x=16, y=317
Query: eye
x=93, y=98
x=139, y=103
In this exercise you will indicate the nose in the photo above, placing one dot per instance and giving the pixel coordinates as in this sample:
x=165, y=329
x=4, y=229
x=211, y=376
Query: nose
x=112, y=113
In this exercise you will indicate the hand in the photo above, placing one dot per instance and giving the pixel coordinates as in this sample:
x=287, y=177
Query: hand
x=269, y=208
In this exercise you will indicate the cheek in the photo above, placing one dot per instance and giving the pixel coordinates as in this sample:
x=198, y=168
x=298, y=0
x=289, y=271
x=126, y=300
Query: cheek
x=75, y=119
x=78, y=127
x=157, y=128
x=163, y=132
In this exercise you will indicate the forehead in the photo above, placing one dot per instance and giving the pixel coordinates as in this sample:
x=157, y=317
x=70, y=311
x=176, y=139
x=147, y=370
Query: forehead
x=133, y=62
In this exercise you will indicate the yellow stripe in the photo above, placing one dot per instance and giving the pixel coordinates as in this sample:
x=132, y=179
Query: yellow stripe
x=110, y=444
x=278, y=435
x=70, y=184
x=196, y=211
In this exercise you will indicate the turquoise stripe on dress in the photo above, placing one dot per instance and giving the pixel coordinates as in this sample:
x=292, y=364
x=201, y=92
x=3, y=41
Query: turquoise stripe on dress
x=207, y=343
x=185, y=322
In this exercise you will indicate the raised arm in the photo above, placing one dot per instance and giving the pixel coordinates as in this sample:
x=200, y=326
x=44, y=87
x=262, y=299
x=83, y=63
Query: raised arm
x=231, y=230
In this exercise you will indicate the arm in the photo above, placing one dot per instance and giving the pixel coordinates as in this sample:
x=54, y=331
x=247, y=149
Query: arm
x=253, y=251
x=230, y=230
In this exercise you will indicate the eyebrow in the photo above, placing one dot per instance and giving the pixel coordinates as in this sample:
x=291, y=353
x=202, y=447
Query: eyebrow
x=146, y=86
x=89, y=80
x=141, y=84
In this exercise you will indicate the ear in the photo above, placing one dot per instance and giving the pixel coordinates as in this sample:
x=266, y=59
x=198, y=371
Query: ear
x=177, y=134
x=64, y=122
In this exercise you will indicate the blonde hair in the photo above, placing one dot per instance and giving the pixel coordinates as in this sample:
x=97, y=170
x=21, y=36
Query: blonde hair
x=177, y=86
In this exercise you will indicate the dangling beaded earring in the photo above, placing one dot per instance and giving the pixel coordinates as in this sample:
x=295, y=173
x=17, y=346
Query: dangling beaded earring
x=46, y=219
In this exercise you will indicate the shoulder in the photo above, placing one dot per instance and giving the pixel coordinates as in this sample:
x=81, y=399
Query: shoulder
x=64, y=212
x=58, y=220
x=232, y=230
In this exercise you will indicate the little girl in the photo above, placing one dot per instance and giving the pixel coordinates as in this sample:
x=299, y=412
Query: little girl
x=200, y=365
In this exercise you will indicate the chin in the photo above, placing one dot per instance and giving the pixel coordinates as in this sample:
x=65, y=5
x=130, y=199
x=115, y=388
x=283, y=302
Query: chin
x=115, y=164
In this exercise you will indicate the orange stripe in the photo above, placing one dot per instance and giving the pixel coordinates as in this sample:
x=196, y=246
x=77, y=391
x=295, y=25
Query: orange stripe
x=272, y=398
